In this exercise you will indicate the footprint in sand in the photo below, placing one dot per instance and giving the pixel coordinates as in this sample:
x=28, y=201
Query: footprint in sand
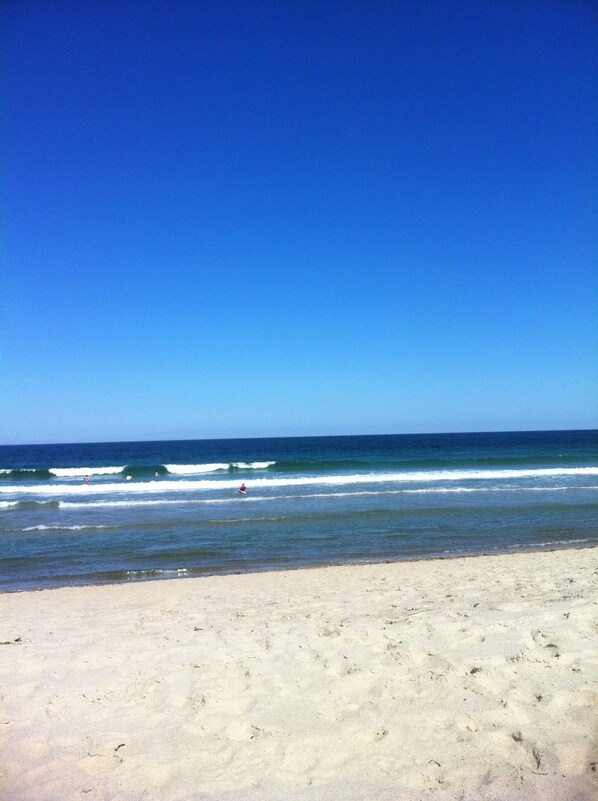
x=545, y=641
x=300, y=763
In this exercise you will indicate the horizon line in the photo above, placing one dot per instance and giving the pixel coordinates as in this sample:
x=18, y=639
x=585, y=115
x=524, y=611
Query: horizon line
x=300, y=436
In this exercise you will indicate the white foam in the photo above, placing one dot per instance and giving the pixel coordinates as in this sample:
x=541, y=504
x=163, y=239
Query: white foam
x=184, y=485
x=74, y=472
x=59, y=528
x=155, y=571
x=551, y=542
x=313, y=495
x=174, y=469
x=253, y=465
x=18, y=469
x=197, y=469
x=96, y=504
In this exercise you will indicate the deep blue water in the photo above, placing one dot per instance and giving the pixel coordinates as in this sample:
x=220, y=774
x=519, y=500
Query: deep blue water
x=167, y=509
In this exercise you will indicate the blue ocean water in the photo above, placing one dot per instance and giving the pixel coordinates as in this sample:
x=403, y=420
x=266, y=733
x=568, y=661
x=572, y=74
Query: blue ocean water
x=167, y=509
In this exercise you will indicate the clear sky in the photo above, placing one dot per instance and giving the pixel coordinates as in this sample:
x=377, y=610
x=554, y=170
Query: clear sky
x=297, y=217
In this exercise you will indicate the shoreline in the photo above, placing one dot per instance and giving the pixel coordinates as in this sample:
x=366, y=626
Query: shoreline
x=472, y=677
x=511, y=550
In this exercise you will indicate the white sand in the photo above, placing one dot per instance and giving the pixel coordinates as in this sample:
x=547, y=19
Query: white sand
x=455, y=679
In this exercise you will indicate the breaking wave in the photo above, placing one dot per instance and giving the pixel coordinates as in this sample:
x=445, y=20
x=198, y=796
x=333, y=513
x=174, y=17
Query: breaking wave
x=26, y=474
x=184, y=484
x=133, y=470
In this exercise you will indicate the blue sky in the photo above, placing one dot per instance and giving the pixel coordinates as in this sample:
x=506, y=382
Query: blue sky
x=284, y=218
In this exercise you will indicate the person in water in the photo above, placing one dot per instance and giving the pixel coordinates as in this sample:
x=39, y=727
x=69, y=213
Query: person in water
x=243, y=488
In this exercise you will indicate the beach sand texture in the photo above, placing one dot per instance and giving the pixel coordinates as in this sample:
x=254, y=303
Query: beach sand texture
x=467, y=679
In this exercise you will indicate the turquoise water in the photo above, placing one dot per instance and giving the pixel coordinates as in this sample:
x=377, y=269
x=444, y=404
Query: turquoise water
x=168, y=509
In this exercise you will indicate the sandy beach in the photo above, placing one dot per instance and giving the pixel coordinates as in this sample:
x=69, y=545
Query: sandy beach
x=467, y=678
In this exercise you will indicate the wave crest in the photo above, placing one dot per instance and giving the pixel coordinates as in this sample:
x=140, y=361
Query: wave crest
x=182, y=485
x=26, y=474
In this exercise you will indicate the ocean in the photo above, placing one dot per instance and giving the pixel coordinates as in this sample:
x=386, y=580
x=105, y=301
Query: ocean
x=157, y=510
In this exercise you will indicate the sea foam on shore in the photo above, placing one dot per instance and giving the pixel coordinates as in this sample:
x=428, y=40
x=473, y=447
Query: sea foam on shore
x=462, y=678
